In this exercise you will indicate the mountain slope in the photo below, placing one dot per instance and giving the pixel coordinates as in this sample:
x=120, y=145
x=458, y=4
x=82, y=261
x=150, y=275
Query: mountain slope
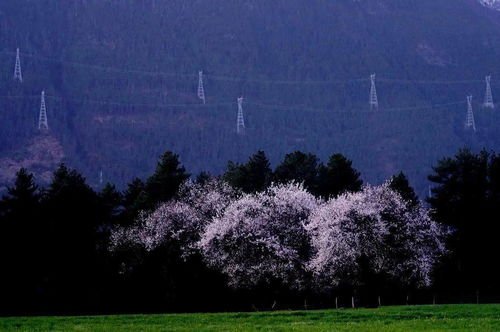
x=302, y=66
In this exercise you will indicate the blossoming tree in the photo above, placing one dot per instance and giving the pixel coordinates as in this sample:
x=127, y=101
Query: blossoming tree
x=262, y=237
x=181, y=220
x=378, y=227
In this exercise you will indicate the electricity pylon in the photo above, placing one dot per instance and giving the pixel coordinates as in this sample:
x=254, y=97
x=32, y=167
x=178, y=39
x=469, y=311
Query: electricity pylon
x=201, y=90
x=469, y=121
x=240, y=123
x=17, y=69
x=373, y=94
x=488, y=97
x=42, y=119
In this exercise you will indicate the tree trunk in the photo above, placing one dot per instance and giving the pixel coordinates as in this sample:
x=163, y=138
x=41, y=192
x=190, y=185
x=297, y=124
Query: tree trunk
x=379, y=301
x=352, y=302
x=336, y=302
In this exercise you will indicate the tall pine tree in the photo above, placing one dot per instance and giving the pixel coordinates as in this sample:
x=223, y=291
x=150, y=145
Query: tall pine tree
x=21, y=236
x=166, y=180
x=337, y=177
x=299, y=167
x=460, y=200
x=254, y=176
x=400, y=184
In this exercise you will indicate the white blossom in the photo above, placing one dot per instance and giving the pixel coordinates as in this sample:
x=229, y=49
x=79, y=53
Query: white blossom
x=181, y=220
x=378, y=225
x=285, y=234
x=262, y=237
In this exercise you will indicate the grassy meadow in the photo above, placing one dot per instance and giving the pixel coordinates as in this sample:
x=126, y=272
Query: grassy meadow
x=404, y=318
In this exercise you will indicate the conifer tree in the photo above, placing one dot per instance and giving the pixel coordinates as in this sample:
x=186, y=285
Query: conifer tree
x=166, y=180
x=338, y=176
x=460, y=200
x=299, y=167
x=400, y=184
x=20, y=240
x=254, y=176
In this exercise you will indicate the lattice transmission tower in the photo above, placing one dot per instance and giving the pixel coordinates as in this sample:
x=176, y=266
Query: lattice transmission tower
x=42, y=119
x=373, y=94
x=17, y=69
x=469, y=121
x=201, y=89
x=488, y=97
x=240, y=123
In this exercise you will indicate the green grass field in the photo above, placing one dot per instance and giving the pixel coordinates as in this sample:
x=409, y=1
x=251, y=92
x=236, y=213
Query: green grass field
x=408, y=318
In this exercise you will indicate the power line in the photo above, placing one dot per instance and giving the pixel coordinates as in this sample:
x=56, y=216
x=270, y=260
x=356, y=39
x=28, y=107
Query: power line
x=19, y=97
x=240, y=79
x=214, y=77
x=316, y=110
x=113, y=103
x=305, y=109
x=389, y=80
x=416, y=108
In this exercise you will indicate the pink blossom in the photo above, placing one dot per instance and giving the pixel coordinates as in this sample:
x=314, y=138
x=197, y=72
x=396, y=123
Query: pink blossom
x=377, y=224
x=181, y=220
x=261, y=237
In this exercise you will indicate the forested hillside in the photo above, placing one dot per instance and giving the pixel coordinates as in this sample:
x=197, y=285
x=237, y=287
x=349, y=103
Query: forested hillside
x=121, y=80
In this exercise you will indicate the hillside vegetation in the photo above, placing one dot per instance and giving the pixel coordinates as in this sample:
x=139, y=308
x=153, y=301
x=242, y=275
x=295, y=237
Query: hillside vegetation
x=108, y=82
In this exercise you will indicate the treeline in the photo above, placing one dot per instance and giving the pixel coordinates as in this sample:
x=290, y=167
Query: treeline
x=62, y=251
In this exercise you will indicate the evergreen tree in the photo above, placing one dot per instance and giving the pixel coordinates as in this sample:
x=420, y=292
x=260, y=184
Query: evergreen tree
x=23, y=196
x=299, y=167
x=460, y=200
x=254, y=176
x=400, y=184
x=111, y=201
x=132, y=195
x=21, y=238
x=72, y=214
x=494, y=181
x=166, y=180
x=338, y=177
x=134, y=200
x=258, y=170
